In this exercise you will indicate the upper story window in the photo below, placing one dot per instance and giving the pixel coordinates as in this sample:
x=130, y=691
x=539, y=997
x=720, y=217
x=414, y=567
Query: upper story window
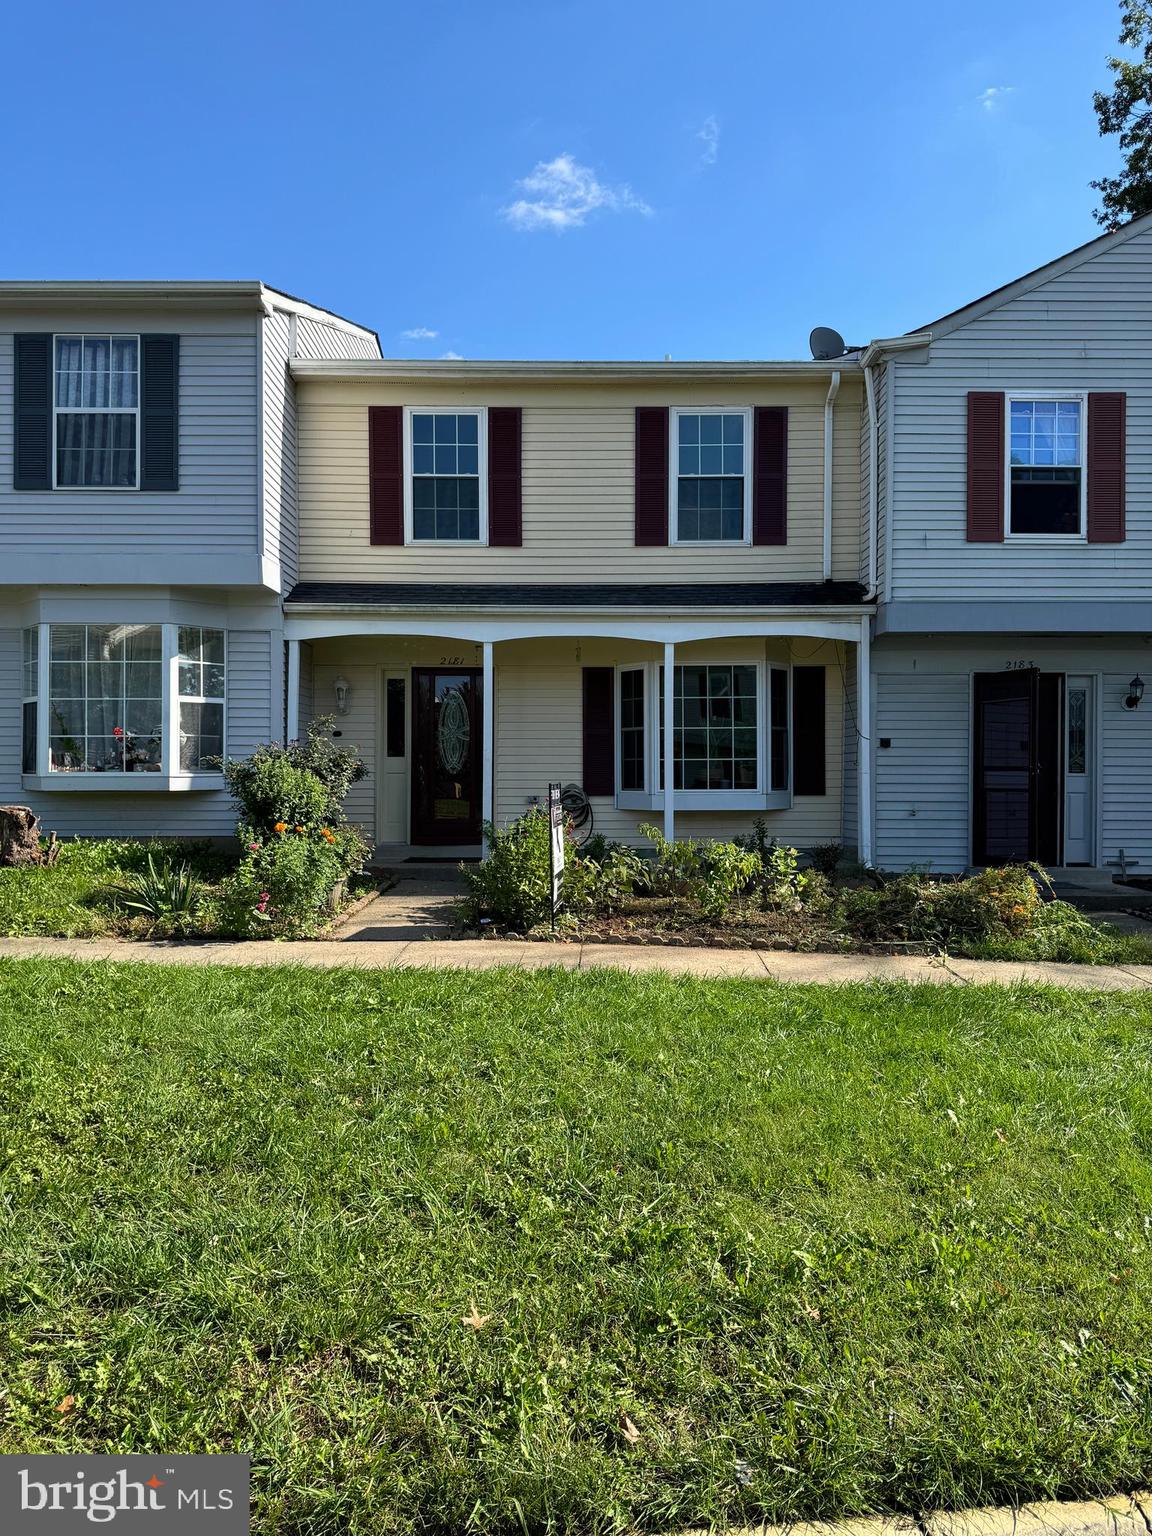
x=1046, y=466
x=446, y=478
x=710, y=475
x=96, y=410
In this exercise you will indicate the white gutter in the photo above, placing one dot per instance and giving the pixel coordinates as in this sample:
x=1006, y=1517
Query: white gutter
x=367, y=370
x=829, y=413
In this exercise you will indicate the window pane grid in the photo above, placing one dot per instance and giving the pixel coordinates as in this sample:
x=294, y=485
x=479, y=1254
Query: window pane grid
x=105, y=698
x=632, y=729
x=96, y=396
x=710, y=477
x=200, y=688
x=445, y=475
x=714, y=743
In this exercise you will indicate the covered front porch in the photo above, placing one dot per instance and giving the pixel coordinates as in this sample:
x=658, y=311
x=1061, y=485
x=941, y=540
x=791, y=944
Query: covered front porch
x=465, y=719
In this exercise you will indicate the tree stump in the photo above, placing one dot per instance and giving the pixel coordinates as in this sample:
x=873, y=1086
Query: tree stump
x=19, y=837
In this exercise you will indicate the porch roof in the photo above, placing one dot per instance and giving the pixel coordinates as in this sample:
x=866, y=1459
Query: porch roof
x=593, y=596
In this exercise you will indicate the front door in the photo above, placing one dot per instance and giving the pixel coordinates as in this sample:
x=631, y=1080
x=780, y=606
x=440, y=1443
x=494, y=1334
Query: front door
x=1016, y=763
x=447, y=756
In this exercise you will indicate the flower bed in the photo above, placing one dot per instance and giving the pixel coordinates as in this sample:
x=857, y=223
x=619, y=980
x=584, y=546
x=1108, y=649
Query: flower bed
x=754, y=893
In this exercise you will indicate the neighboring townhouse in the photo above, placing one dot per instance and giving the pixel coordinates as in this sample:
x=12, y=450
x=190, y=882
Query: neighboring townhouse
x=618, y=576
x=147, y=534
x=1010, y=473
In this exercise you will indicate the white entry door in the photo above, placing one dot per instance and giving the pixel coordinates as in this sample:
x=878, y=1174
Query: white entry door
x=1079, y=775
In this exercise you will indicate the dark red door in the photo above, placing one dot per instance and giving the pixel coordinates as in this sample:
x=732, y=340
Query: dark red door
x=447, y=756
x=1016, y=767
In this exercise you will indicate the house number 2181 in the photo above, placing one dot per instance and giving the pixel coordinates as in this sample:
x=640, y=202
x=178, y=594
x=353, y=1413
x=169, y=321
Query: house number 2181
x=451, y=661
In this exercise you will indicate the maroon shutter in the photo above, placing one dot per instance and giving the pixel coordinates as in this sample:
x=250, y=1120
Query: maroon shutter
x=1106, y=468
x=808, y=733
x=386, y=474
x=599, y=743
x=985, y=467
x=504, y=486
x=651, y=474
x=770, y=475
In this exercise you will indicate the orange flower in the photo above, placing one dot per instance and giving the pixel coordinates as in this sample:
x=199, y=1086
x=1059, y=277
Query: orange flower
x=281, y=826
x=327, y=834
x=299, y=829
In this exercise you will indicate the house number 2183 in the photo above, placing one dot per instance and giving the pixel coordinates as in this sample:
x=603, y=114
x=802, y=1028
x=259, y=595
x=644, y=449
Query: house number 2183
x=1019, y=666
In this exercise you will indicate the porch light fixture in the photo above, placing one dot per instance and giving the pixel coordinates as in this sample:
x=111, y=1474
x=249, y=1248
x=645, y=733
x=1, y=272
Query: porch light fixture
x=342, y=688
x=1135, y=692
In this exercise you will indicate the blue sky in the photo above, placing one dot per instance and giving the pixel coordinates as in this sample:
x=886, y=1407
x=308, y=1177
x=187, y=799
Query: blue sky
x=528, y=179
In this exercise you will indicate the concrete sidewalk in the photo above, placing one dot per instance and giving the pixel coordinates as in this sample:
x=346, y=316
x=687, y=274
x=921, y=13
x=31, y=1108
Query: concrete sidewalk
x=484, y=954
x=1119, y=1515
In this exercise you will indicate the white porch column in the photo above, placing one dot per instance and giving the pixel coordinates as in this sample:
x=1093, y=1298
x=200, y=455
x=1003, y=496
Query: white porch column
x=488, y=744
x=669, y=746
x=864, y=741
x=292, y=719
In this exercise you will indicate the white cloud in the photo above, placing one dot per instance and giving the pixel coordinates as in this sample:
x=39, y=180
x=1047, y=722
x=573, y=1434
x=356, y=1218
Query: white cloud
x=452, y=357
x=420, y=333
x=562, y=193
x=709, y=137
x=992, y=98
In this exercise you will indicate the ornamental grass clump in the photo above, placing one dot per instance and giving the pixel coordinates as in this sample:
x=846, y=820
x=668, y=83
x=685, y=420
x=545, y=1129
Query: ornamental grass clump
x=298, y=847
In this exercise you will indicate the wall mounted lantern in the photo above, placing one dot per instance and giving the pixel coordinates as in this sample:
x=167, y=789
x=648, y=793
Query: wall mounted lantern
x=342, y=688
x=1135, y=692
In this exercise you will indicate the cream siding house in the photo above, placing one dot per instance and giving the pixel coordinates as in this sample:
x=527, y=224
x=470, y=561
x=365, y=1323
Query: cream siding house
x=503, y=567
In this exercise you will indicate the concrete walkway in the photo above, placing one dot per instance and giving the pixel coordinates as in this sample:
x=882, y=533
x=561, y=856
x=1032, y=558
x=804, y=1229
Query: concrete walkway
x=1120, y=1515
x=371, y=953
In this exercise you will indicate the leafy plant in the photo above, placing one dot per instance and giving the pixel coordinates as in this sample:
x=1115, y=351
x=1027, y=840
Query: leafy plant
x=825, y=857
x=160, y=891
x=513, y=884
x=711, y=875
x=285, y=882
x=303, y=783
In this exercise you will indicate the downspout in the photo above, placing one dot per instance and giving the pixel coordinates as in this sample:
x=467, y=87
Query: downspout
x=873, y=479
x=829, y=413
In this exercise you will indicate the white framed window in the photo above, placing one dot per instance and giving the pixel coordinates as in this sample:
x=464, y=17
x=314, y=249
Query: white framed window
x=119, y=699
x=200, y=686
x=731, y=735
x=710, y=476
x=96, y=412
x=1046, y=482
x=445, y=476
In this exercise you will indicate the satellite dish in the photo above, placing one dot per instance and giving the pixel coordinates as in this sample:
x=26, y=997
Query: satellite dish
x=826, y=344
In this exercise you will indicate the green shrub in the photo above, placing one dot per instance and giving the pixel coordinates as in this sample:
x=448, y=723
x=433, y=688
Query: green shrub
x=995, y=904
x=710, y=875
x=284, y=882
x=512, y=886
x=302, y=784
x=825, y=857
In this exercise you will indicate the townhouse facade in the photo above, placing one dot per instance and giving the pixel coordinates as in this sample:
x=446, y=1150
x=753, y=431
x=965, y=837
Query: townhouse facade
x=897, y=599
x=1012, y=487
x=148, y=531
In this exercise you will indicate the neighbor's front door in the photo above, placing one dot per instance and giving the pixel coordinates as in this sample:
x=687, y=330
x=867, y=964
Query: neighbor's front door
x=1016, y=766
x=447, y=754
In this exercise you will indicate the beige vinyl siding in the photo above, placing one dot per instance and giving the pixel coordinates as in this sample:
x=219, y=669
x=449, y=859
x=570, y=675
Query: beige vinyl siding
x=538, y=719
x=578, y=448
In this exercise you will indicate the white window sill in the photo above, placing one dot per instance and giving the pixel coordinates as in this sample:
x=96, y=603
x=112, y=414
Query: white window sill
x=123, y=783
x=707, y=800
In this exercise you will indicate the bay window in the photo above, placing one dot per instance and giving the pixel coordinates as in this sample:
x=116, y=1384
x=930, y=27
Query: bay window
x=116, y=699
x=731, y=735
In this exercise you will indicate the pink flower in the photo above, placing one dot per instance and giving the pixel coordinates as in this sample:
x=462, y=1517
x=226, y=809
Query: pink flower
x=253, y=847
x=264, y=896
x=117, y=730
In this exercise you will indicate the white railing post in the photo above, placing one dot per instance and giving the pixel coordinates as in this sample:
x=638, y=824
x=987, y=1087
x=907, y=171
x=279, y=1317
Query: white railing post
x=488, y=744
x=669, y=743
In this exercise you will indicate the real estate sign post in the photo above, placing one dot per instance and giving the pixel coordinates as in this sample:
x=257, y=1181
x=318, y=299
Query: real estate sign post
x=555, y=845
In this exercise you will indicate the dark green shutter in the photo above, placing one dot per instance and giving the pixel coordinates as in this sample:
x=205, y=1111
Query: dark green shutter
x=160, y=413
x=808, y=731
x=32, y=458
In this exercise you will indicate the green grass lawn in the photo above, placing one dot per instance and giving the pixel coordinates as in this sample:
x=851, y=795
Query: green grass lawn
x=827, y=1250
